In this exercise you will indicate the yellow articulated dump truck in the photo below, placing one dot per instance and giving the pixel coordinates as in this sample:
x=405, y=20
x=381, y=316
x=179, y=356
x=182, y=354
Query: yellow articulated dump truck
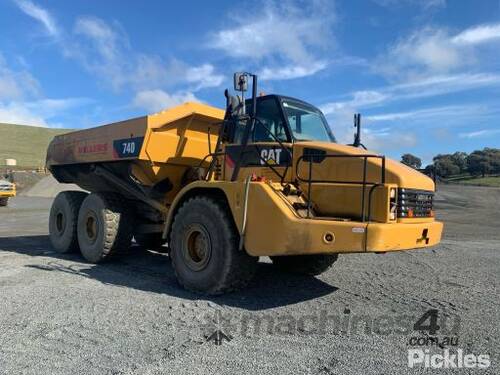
x=7, y=190
x=218, y=189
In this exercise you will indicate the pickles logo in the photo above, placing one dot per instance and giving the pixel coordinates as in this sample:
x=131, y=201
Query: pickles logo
x=272, y=156
x=447, y=359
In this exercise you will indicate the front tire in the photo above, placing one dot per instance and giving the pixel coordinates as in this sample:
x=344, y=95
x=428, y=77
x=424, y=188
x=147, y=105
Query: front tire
x=63, y=220
x=4, y=202
x=104, y=226
x=204, y=248
x=313, y=265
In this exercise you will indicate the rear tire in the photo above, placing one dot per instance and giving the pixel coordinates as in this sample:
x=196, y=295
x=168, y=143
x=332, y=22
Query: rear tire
x=104, y=226
x=313, y=265
x=63, y=221
x=204, y=248
x=4, y=201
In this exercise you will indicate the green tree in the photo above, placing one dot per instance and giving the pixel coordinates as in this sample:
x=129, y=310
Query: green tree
x=444, y=165
x=411, y=161
x=460, y=160
x=482, y=162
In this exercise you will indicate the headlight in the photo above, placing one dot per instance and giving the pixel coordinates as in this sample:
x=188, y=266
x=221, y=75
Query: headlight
x=393, y=204
x=414, y=203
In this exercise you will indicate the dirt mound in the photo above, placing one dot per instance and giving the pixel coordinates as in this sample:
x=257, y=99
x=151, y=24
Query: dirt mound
x=48, y=187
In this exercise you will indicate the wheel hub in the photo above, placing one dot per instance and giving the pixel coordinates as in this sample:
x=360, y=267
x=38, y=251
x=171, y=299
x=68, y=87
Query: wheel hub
x=197, y=247
x=60, y=223
x=91, y=227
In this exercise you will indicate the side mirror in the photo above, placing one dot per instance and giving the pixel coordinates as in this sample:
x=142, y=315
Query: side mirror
x=240, y=82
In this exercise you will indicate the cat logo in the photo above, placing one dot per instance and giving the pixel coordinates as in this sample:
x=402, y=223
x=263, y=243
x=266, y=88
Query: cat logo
x=272, y=156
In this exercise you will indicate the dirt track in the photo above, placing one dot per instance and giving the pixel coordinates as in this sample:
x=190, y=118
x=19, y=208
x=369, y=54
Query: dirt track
x=60, y=315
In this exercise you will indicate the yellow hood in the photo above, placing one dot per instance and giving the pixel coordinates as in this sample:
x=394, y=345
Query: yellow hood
x=351, y=168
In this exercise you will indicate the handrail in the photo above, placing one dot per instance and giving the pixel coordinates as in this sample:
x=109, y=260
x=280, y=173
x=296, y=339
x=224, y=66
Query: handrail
x=364, y=183
x=266, y=163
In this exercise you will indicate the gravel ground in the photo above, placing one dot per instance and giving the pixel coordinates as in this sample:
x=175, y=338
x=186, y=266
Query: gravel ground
x=60, y=315
x=48, y=187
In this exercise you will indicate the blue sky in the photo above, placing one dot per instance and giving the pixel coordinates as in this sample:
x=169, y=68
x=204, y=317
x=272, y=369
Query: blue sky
x=424, y=74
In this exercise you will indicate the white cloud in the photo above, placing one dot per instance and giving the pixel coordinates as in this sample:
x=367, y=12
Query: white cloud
x=452, y=111
x=21, y=100
x=427, y=51
x=106, y=39
x=391, y=131
x=18, y=113
x=478, y=34
x=438, y=51
x=479, y=133
x=413, y=89
x=16, y=84
x=377, y=139
x=289, y=35
x=105, y=51
x=203, y=76
x=278, y=30
x=40, y=14
x=37, y=112
x=158, y=100
x=425, y=4
x=359, y=99
x=389, y=141
x=292, y=71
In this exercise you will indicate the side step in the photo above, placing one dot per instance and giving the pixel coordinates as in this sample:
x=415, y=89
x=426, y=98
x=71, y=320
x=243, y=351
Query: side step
x=300, y=206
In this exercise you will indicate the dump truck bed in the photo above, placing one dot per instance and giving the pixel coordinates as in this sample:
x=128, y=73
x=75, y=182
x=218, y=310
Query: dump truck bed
x=182, y=131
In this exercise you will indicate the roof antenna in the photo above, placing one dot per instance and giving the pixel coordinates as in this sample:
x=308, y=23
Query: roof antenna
x=357, y=134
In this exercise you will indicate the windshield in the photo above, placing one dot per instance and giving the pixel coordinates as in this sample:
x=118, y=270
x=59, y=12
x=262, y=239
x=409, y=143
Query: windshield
x=307, y=123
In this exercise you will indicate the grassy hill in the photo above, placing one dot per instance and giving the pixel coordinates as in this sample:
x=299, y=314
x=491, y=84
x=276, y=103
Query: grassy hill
x=479, y=181
x=26, y=144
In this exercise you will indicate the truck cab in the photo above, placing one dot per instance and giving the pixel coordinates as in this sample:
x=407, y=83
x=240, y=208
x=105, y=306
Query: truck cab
x=380, y=204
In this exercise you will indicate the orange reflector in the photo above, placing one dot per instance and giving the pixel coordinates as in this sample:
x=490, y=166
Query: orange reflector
x=410, y=213
x=256, y=178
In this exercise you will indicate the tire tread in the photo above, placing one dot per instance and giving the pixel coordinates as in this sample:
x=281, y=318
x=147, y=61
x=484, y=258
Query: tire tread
x=240, y=268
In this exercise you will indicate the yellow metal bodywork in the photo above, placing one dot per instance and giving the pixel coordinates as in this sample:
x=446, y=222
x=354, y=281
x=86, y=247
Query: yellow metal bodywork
x=179, y=139
x=8, y=193
x=274, y=228
x=171, y=142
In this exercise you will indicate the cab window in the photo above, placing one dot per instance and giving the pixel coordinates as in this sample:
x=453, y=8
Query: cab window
x=269, y=116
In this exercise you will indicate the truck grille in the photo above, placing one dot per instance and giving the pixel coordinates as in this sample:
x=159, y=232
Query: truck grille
x=6, y=188
x=415, y=203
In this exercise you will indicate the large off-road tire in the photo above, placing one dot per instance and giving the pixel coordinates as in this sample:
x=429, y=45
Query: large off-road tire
x=104, y=226
x=63, y=221
x=4, y=201
x=314, y=264
x=204, y=248
x=150, y=241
